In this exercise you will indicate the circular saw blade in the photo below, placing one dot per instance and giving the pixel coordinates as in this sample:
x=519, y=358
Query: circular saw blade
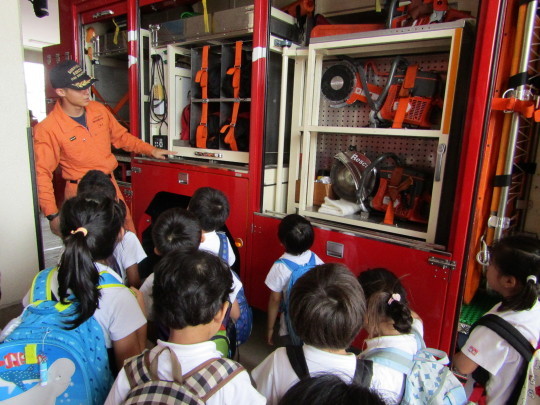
x=338, y=82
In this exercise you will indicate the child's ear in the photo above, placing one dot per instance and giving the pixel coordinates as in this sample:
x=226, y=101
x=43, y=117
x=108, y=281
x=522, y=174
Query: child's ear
x=221, y=313
x=156, y=251
x=509, y=281
x=203, y=238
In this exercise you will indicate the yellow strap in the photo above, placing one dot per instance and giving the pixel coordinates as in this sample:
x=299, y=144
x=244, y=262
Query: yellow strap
x=378, y=6
x=30, y=353
x=116, y=31
x=206, y=23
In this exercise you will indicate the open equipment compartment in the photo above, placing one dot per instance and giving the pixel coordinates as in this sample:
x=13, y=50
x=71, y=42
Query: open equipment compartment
x=321, y=128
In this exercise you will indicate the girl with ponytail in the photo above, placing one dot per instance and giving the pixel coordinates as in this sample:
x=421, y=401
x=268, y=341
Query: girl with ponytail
x=90, y=230
x=512, y=271
x=390, y=323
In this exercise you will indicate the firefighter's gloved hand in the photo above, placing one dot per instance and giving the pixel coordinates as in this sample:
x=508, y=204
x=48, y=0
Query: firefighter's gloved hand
x=162, y=153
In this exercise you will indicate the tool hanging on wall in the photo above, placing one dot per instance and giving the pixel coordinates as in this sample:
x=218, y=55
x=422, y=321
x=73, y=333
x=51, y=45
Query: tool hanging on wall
x=401, y=191
x=202, y=78
x=235, y=73
x=407, y=97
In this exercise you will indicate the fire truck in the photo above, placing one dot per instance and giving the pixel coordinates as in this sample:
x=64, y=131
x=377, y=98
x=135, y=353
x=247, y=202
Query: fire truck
x=406, y=137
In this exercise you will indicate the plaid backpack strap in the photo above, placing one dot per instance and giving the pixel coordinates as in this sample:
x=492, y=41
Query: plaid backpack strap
x=136, y=369
x=209, y=377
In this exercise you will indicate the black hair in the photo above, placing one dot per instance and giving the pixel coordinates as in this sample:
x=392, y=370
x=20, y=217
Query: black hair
x=518, y=256
x=176, y=229
x=77, y=272
x=296, y=234
x=327, y=306
x=190, y=289
x=380, y=285
x=96, y=184
x=211, y=207
x=326, y=389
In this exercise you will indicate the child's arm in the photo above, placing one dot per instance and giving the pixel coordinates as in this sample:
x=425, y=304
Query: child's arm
x=132, y=274
x=462, y=364
x=129, y=346
x=273, y=310
x=235, y=310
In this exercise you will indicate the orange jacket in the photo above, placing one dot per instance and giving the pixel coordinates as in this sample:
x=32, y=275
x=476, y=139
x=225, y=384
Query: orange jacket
x=61, y=141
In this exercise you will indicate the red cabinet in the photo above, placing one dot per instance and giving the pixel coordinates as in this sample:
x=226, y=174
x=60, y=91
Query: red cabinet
x=150, y=177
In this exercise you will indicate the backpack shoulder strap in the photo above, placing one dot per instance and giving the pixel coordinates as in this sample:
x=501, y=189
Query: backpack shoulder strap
x=292, y=266
x=509, y=333
x=363, y=372
x=297, y=359
x=205, y=380
x=41, y=286
x=390, y=357
x=107, y=280
x=312, y=260
x=223, y=247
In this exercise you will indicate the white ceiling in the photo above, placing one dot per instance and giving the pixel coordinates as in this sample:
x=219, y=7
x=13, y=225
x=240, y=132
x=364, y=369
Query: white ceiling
x=39, y=32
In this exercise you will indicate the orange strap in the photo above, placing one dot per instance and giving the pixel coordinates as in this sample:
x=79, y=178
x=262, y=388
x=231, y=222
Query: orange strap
x=235, y=73
x=403, y=103
x=202, y=78
x=525, y=108
x=395, y=186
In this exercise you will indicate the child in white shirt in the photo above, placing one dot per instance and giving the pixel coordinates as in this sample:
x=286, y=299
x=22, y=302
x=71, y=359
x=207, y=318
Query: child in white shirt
x=327, y=309
x=212, y=209
x=513, y=271
x=296, y=235
x=128, y=252
x=191, y=297
x=390, y=324
x=176, y=229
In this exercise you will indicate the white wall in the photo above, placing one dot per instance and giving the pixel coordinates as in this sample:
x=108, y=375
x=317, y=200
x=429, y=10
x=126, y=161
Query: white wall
x=39, y=32
x=18, y=245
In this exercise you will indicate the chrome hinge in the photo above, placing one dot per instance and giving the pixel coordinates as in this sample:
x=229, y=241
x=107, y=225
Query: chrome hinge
x=500, y=223
x=444, y=263
x=135, y=169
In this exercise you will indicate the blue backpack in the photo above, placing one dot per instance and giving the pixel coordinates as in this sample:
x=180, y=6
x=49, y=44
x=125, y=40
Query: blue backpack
x=297, y=271
x=244, y=323
x=428, y=380
x=41, y=362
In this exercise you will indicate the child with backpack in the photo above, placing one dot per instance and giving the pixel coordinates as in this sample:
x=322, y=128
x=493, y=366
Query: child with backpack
x=191, y=297
x=296, y=235
x=513, y=271
x=327, y=308
x=212, y=209
x=396, y=347
x=128, y=252
x=75, y=312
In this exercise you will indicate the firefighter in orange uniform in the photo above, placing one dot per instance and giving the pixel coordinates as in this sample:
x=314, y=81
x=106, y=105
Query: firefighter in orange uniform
x=77, y=136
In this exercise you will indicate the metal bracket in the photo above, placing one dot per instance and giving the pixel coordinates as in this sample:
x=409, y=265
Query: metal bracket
x=102, y=14
x=496, y=222
x=444, y=263
x=135, y=169
x=282, y=42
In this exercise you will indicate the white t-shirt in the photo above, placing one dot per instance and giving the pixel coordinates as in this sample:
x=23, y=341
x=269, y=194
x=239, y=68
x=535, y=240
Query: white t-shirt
x=386, y=381
x=212, y=243
x=128, y=252
x=490, y=351
x=275, y=375
x=146, y=290
x=118, y=314
x=237, y=391
x=278, y=277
